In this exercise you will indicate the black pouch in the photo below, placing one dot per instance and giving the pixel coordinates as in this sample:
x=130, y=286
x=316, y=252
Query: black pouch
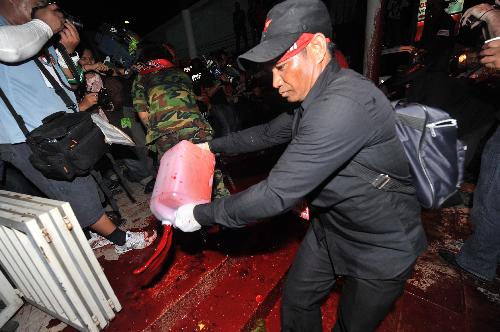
x=53, y=166
x=84, y=154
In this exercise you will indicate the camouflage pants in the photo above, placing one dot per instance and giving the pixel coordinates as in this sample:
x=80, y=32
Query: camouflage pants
x=219, y=189
x=165, y=142
x=194, y=134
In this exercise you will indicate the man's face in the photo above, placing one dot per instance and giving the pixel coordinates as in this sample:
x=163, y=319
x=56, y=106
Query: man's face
x=293, y=77
x=27, y=6
x=21, y=11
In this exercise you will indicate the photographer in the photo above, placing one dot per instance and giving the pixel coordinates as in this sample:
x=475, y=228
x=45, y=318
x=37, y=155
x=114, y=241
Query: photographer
x=20, y=42
x=94, y=84
x=107, y=93
x=488, y=14
x=438, y=35
x=34, y=98
x=212, y=80
x=480, y=254
x=218, y=83
x=483, y=13
x=96, y=92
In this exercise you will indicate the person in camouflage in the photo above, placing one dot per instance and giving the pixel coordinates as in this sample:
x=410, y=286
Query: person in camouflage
x=164, y=99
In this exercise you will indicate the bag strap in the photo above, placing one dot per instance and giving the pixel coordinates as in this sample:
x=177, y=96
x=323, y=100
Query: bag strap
x=17, y=117
x=58, y=88
x=412, y=121
x=380, y=180
x=77, y=74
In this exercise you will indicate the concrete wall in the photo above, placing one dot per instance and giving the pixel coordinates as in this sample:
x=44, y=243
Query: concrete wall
x=212, y=22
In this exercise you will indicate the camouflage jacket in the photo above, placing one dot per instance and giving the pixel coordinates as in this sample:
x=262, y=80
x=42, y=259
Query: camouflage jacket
x=167, y=95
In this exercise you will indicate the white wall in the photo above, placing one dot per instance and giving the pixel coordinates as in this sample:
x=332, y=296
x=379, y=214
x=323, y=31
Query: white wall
x=212, y=22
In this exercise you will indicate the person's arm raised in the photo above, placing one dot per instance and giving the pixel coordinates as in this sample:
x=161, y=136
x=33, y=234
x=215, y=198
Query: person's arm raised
x=21, y=42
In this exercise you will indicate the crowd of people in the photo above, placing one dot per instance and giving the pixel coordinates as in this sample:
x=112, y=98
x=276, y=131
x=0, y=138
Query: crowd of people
x=32, y=31
x=368, y=234
x=33, y=98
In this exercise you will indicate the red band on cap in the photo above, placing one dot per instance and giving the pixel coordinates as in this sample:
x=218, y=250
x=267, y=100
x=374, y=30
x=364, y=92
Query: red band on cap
x=299, y=45
x=267, y=24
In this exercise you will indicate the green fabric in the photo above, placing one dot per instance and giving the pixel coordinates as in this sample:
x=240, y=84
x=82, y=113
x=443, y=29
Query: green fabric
x=79, y=77
x=167, y=95
x=126, y=123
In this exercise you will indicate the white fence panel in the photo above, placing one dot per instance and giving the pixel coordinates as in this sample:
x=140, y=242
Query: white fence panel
x=48, y=258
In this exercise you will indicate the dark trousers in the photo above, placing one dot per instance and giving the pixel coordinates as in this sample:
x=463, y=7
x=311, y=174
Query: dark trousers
x=135, y=158
x=363, y=303
x=480, y=253
x=81, y=192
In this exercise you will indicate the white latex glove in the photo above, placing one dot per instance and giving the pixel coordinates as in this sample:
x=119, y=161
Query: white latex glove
x=204, y=146
x=184, y=219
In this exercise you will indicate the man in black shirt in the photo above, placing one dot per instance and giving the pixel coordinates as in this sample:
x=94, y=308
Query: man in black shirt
x=370, y=233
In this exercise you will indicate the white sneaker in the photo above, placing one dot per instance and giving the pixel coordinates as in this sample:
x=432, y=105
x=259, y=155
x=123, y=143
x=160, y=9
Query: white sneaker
x=97, y=241
x=135, y=240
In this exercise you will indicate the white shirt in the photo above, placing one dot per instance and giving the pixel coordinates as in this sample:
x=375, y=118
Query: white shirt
x=20, y=42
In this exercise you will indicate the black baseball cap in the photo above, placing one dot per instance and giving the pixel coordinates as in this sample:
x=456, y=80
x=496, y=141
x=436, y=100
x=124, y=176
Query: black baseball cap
x=285, y=23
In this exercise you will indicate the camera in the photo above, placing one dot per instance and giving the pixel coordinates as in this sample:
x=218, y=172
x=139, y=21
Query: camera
x=73, y=20
x=119, y=44
x=69, y=18
x=104, y=100
x=231, y=75
x=466, y=63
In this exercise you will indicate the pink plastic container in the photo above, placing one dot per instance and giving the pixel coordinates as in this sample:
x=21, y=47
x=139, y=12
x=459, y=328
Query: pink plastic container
x=185, y=176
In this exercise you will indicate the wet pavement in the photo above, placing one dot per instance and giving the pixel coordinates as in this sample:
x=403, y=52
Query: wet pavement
x=231, y=280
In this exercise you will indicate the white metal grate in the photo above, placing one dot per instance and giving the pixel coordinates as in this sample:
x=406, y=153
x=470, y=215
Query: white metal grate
x=48, y=258
x=10, y=300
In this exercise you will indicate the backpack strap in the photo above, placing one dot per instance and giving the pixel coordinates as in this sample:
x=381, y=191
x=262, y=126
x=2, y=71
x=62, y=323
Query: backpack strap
x=379, y=180
x=412, y=121
x=77, y=73
x=17, y=117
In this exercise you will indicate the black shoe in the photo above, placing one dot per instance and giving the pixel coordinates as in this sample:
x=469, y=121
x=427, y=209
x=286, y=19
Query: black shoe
x=451, y=259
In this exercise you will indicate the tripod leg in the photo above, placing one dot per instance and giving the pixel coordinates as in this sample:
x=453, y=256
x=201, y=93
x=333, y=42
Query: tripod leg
x=123, y=182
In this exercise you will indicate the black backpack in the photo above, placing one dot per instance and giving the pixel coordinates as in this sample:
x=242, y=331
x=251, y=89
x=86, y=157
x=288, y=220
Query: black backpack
x=66, y=145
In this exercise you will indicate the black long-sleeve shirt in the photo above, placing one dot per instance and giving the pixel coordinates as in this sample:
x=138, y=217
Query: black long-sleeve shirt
x=371, y=233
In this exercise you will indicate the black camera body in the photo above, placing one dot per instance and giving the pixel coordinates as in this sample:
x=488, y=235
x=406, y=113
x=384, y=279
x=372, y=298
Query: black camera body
x=231, y=75
x=104, y=100
x=69, y=18
x=72, y=19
